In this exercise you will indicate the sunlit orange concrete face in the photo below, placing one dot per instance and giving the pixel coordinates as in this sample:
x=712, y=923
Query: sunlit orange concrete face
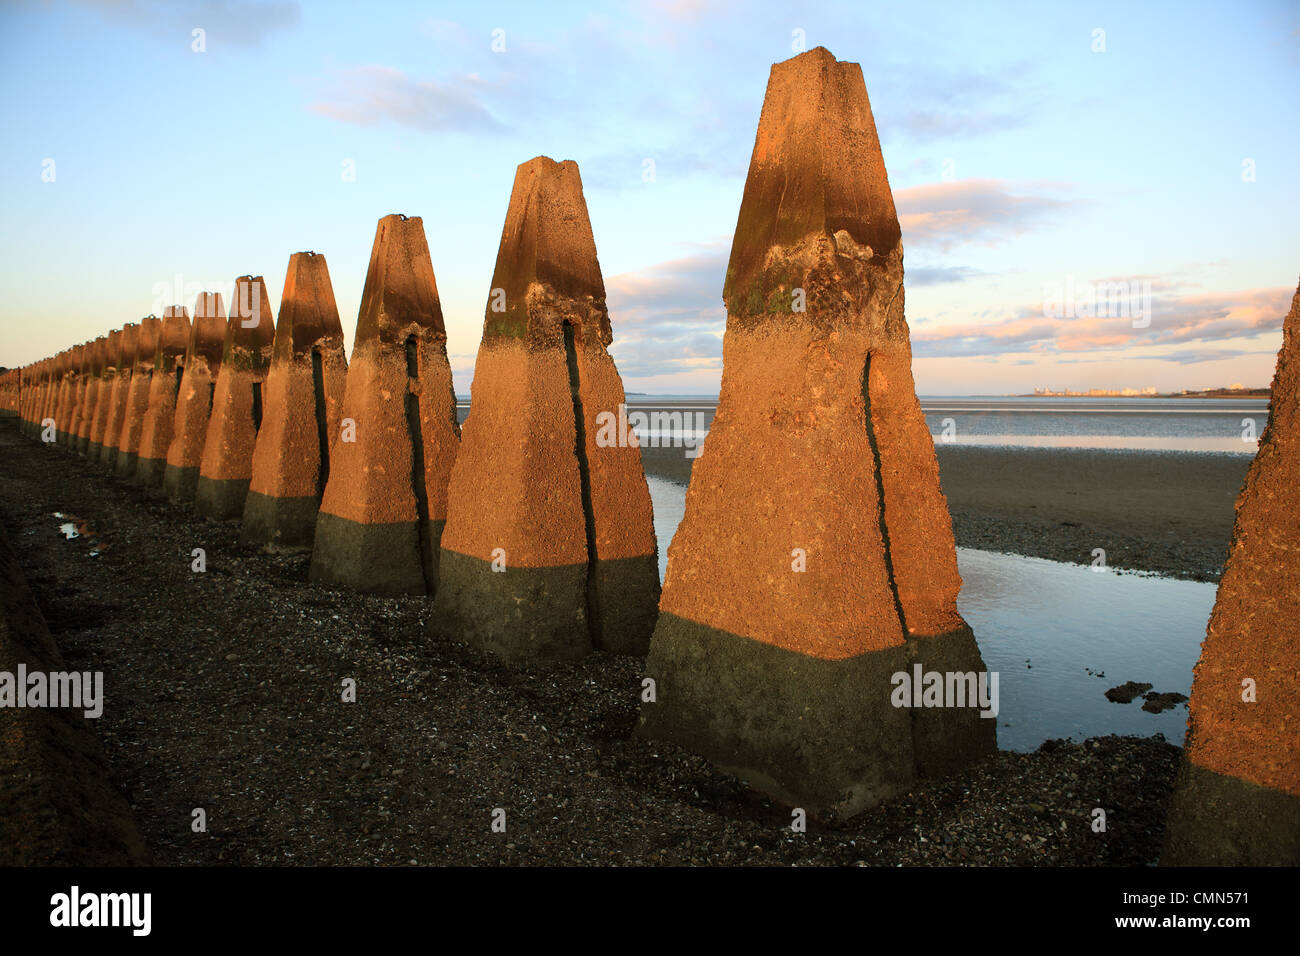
x=819, y=443
x=816, y=554
x=238, y=403
x=77, y=395
x=64, y=382
x=1238, y=796
x=303, y=407
x=96, y=354
x=195, y=398
x=137, y=396
x=103, y=400
x=384, y=505
x=164, y=387
x=119, y=393
x=571, y=517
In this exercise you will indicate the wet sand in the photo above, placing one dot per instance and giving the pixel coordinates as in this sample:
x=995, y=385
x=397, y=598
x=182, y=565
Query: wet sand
x=1167, y=512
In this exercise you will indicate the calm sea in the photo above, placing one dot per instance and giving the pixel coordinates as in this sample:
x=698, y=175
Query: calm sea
x=1229, y=426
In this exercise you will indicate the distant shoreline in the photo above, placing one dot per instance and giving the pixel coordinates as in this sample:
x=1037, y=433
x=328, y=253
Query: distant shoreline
x=1254, y=393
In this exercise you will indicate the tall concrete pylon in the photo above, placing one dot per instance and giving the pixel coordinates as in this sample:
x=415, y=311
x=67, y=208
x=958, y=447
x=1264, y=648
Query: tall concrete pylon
x=815, y=570
x=304, y=400
x=108, y=369
x=1237, y=797
x=137, y=397
x=549, y=549
x=195, y=399
x=238, y=403
x=117, y=396
x=96, y=353
x=77, y=397
x=164, y=388
x=69, y=373
x=384, y=506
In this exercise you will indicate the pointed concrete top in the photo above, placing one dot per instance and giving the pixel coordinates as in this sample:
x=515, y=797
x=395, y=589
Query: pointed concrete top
x=547, y=238
x=401, y=293
x=129, y=342
x=175, y=336
x=252, y=322
x=150, y=333
x=816, y=169
x=208, y=331
x=113, y=349
x=98, y=353
x=307, y=310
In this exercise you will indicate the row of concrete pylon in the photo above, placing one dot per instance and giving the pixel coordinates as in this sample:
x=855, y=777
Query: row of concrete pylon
x=780, y=671
x=176, y=405
x=262, y=420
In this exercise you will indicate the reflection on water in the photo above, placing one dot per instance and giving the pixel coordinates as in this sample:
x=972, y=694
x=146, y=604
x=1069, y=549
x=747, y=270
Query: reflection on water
x=1043, y=625
x=75, y=527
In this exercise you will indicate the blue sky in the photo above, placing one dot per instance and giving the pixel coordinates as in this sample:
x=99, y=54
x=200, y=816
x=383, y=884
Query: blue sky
x=1023, y=156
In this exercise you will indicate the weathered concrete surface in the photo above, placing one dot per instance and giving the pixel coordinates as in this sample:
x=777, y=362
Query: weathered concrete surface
x=164, y=387
x=238, y=403
x=81, y=356
x=112, y=361
x=34, y=397
x=57, y=806
x=68, y=371
x=118, y=394
x=818, y=457
x=386, y=499
x=195, y=398
x=96, y=354
x=533, y=490
x=1237, y=801
x=137, y=396
x=304, y=401
x=10, y=388
x=54, y=392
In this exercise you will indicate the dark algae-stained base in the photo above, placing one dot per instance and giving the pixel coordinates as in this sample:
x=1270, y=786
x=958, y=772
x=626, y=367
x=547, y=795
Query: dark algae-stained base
x=818, y=734
x=180, y=484
x=287, y=524
x=238, y=709
x=221, y=498
x=1218, y=820
x=492, y=617
x=379, y=558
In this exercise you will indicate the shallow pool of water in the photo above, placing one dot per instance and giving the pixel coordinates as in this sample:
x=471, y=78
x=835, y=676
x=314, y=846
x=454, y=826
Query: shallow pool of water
x=1044, y=625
